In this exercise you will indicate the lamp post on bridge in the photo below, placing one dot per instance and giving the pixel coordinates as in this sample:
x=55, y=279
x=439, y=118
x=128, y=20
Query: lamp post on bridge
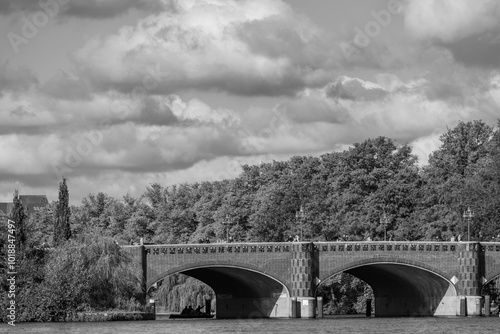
x=300, y=215
x=227, y=223
x=469, y=214
x=384, y=221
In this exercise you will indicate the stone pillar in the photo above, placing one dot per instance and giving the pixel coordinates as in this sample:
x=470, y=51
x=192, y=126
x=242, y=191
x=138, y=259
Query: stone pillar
x=463, y=306
x=487, y=305
x=139, y=259
x=152, y=308
x=144, y=265
x=208, y=306
x=293, y=307
x=305, y=269
x=319, y=305
x=368, y=308
x=307, y=307
x=469, y=275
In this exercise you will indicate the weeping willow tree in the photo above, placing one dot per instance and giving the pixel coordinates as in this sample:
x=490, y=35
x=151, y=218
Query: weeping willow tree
x=89, y=273
x=177, y=291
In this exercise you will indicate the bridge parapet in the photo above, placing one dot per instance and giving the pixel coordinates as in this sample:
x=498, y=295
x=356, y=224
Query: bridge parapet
x=260, y=247
x=374, y=246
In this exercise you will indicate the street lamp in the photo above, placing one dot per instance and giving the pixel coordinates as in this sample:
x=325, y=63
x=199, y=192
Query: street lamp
x=469, y=214
x=300, y=215
x=384, y=221
x=227, y=222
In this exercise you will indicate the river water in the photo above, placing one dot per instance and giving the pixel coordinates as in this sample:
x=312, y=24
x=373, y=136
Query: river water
x=337, y=324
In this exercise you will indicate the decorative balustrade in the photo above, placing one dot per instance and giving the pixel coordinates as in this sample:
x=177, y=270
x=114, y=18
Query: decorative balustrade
x=392, y=246
x=218, y=248
x=385, y=246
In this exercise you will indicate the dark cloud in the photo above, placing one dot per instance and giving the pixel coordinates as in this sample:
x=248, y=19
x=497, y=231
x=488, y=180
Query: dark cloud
x=445, y=91
x=94, y=9
x=19, y=79
x=21, y=113
x=30, y=180
x=10, y=6
x=478, y=50
x=155, y=113
x=313, y=109
x=66, y=87
x=288, y=83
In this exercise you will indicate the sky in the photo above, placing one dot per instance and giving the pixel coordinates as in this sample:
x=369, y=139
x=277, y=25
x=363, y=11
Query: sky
x=115, y=95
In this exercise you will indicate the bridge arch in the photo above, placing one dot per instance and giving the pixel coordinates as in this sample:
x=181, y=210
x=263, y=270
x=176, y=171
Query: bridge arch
x=489, y=280
x=492, y=277
x=403, y=287
x=242, y=290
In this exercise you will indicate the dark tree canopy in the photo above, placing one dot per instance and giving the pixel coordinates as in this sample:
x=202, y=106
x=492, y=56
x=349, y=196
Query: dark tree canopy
x=62, y=230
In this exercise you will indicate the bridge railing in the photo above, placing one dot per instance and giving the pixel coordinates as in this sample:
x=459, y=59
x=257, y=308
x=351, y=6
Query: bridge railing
x=490, y=246
x=255, y=247
x=422, y=246
x=324, y=246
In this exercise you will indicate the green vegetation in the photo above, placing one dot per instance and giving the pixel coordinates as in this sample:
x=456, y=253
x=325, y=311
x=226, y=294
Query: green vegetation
x=62, y=229
x=86, y=274
x=343, y=194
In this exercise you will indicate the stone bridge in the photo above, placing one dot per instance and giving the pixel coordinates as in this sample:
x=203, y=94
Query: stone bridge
x=281, y=279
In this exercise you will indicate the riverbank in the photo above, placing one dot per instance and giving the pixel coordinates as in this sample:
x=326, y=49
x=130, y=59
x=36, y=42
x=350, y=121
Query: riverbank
x=112, y=316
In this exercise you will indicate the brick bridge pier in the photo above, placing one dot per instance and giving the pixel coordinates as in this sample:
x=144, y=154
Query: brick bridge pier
x=254, y=280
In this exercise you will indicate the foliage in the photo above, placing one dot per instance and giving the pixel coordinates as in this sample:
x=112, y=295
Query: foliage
x=88, y=273
x=178, y=291
x=18, y=215
x=40, y=227
x=62, y=231
x=344, y=294
x=94, y=272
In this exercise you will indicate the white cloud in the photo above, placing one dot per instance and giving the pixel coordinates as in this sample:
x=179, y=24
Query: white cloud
x=211, y=45
x=451, y=20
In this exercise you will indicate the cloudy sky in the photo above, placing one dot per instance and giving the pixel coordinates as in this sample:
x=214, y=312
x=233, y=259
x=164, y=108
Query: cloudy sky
x=118, y=94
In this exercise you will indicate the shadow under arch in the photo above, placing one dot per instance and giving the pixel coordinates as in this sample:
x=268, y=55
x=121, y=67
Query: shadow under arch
x=488, y=282
x=404, y=288
x=241, y=292
x=491, y=278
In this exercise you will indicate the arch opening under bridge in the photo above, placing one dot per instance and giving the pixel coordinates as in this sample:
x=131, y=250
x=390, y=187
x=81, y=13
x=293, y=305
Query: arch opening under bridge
x=240, y=292
x=403, y=289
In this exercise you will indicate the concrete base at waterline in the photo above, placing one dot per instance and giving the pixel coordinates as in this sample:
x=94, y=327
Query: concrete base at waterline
x=307, y=307
x=474, y=306
x=251, y=308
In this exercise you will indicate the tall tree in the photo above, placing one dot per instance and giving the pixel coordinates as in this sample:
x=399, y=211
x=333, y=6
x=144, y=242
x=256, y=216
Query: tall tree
x=462, y=147
x=18, y=215
x=62, y=231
